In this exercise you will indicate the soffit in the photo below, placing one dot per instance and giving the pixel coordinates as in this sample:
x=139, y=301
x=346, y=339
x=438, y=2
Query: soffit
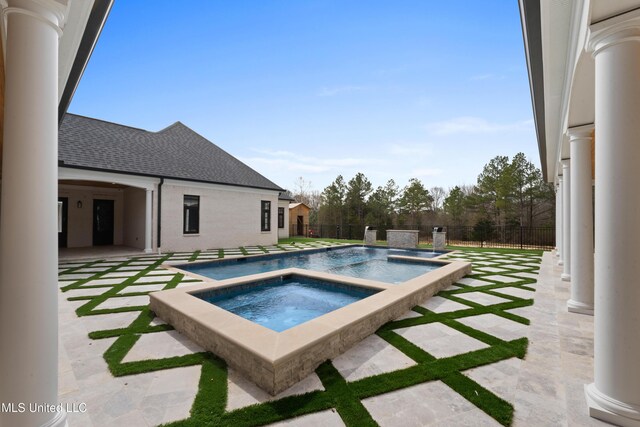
x=100, y=184
x=556, y=24
x=583, y=94
x=604, y=9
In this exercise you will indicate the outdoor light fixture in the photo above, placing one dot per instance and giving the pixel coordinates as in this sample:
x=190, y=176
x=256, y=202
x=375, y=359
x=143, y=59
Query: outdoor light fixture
x=79, y=204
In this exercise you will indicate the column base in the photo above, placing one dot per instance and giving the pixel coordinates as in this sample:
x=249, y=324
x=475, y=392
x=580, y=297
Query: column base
x=148, y=251
x=578, y=307
x=565, y=277
x=610, y=410
x=59, y=420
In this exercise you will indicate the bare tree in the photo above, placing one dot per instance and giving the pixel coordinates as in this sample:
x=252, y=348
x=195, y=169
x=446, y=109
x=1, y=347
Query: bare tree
x=302, y=192
x=438, y=194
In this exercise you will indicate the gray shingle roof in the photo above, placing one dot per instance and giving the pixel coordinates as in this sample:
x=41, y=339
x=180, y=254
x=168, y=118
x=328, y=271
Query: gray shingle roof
x=174, y=152
x=286, y=195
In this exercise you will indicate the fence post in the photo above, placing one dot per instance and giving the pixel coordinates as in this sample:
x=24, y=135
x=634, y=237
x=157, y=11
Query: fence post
x=521, y=237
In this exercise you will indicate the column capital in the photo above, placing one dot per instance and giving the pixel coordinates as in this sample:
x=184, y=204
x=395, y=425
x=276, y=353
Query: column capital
x=581, y=133
x=619, y=29
x=52, y=12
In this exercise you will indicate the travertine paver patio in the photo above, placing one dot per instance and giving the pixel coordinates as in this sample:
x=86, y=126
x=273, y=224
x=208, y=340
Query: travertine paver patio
x=242, y=392
x=442, y=305
x=372, y=356
x=544, y=387
x=440, y=340
x=431, y=403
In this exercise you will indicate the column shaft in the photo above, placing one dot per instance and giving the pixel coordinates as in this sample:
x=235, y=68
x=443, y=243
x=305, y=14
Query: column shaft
x=615, y=394
x=581, y=222
x=559, y=214
x=566, y=220
x=559, y=219
x=148, y=222
x=28, y=220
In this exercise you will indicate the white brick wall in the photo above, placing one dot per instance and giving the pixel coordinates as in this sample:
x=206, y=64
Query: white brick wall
x=229, y=216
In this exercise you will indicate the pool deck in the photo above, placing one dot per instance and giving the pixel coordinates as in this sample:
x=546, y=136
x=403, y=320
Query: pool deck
x=545, y=387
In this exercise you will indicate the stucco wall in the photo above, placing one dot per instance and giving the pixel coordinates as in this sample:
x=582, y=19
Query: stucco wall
x=283, y=233
x=229, y=216
x=80, y=220
x=134, y=213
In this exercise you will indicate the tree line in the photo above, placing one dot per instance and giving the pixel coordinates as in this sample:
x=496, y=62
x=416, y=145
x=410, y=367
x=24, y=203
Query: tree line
x=506, y=193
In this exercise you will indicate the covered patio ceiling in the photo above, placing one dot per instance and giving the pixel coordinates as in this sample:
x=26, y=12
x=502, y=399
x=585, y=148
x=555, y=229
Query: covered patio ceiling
x=555, y=36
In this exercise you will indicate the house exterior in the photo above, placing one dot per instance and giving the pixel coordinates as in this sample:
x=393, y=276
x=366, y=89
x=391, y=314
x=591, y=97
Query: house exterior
x=299, y=219
x=170, y=190
x=583, y=58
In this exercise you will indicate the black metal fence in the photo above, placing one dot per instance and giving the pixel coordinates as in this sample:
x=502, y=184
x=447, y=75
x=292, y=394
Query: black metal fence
x=482, y=235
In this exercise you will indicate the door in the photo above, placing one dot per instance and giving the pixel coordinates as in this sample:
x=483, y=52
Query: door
x=300, y=225
x=63, y=211
x=102, y=222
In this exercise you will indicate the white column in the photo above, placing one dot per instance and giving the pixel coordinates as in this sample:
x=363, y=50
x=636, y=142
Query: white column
x=581, y=221
x=28, y=221
x=559, y=220
x=566, y=220
x=148, y=224
x=615, y=394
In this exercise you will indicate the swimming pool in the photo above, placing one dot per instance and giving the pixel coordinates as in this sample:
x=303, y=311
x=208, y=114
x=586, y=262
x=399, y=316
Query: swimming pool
x=276, y=359
x=284, y=302
x=353, y=261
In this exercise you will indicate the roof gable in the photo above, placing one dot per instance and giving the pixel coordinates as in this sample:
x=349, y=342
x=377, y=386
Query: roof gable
x=299, y=204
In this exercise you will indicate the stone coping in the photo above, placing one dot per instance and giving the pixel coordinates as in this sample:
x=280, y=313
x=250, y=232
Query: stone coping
x=277, y=360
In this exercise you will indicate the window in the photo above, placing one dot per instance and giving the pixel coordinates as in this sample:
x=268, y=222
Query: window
x=280, y=217
x=265, y=217
x=191, y=215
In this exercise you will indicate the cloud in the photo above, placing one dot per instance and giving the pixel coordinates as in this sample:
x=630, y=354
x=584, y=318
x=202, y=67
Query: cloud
x=475, y=125
x=411, y=150
x=340, y=90
x=426, y=172
x=287, y=160
x=284, y=164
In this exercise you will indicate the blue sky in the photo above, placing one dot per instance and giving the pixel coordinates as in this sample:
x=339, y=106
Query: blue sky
x=394, y=89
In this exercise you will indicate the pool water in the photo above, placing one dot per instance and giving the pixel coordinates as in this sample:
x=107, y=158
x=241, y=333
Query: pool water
x=280, y=304
x=362, y=262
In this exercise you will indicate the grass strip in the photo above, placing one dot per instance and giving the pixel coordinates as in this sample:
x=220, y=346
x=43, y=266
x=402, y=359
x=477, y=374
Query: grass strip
x=348, y=405
x=409, y=348
x=194, y=256
x=499, y=409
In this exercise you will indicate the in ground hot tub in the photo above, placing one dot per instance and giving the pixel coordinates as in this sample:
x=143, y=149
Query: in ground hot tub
x=283, y=302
